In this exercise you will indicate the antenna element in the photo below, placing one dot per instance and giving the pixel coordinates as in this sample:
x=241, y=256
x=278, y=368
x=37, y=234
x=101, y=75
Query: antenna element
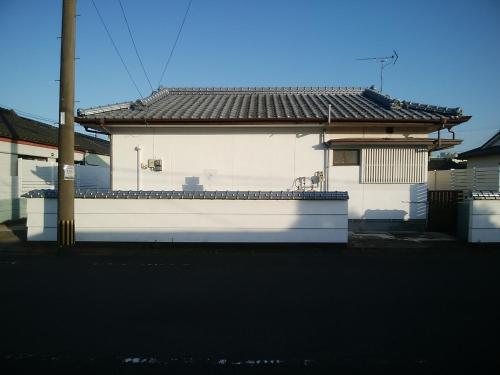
x=384, y=61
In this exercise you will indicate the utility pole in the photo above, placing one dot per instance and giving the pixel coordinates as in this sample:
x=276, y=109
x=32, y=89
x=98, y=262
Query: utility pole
x=66, y=165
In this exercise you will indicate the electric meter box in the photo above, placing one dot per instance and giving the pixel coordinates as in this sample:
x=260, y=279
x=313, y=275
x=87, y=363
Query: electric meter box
x=155, y=165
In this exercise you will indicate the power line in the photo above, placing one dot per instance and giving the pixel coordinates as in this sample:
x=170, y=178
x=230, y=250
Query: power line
x=135, y=47
x=175, y=43
x=33, y=116
x=116, y=48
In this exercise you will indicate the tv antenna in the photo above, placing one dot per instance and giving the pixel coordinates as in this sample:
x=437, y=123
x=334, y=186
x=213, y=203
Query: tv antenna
x=384, y=61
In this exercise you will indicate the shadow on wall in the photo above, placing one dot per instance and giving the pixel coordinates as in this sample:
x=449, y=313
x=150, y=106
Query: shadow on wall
x=384, y=215
x=192, y=184
x=47, y=174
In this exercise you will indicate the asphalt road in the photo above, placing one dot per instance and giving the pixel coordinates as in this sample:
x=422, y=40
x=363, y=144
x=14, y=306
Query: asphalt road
x=276, y=310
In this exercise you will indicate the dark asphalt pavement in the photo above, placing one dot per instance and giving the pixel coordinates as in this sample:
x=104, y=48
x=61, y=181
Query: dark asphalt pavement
x=230, y=309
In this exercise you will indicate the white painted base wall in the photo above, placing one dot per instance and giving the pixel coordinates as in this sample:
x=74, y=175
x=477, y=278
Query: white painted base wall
x=484, y=221
x=178, y=220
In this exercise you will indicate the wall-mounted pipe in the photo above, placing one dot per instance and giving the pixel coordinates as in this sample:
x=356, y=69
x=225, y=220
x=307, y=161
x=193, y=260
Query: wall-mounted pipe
x=452, y=132
x=138, y=150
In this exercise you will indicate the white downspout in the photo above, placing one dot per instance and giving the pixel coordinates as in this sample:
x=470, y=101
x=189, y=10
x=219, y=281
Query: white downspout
x=138, y=149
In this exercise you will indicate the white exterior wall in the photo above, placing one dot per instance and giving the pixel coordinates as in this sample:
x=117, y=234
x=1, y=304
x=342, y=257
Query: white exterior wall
x=484, y=221
x=194, y=220
x=18, y=176
x=35, y=151
x=219, y=159
x=379, y=201
x=257, y=159
x=9, y=205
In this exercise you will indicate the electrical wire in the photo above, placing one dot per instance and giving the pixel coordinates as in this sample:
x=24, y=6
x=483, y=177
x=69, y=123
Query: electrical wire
x=135, y=46
x=175, y=43
x=116, y=49
x=33, y=116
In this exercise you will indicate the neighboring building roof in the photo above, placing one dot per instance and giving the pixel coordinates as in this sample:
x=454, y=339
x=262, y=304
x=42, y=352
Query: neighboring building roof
x=268, y=104
x=486, y=149
x=13, y=126
x=441, y=164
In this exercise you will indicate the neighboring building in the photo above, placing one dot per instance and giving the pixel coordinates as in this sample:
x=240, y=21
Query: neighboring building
x=23, y=139
x=447, y=163
x=487, y=155
x=324, y=139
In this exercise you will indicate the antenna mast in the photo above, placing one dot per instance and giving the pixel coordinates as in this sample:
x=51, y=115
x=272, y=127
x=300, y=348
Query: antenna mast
x=384, y=61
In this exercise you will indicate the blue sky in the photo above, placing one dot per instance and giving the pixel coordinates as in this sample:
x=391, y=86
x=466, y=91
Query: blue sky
x=449, y=50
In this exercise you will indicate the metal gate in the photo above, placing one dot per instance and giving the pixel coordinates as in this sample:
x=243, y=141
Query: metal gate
x=442, y=210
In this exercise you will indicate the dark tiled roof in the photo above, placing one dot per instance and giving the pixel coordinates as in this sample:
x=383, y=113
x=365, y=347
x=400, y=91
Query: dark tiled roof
x=484, y=150
x=269, y=103
x=13, y=126
x=494, y=150
x=440, y=164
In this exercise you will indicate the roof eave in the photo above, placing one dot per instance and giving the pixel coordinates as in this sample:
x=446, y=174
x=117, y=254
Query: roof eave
x=321, y=122
x=431, y=143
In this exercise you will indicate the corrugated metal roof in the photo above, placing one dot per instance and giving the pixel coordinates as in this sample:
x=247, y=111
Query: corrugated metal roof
x=164, y=194
x=269, y=103
x=19, y=128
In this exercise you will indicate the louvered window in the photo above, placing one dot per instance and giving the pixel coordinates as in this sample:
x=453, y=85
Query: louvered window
x=394, y=165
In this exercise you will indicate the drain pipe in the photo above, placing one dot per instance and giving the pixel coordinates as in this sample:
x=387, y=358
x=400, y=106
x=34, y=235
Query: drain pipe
x=452, y=132
x=138, y=149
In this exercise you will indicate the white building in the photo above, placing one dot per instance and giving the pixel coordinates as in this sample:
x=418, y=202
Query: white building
x=280, y=139
x=28, y=159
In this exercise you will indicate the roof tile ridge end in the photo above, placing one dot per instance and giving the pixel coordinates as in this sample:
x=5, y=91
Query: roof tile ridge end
x=154, y=97
x=103, y=108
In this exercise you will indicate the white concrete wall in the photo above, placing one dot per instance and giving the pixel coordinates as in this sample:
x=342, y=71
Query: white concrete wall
x=181, y=220
x=484, y=221
x=219, y=159
x=379, y=201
